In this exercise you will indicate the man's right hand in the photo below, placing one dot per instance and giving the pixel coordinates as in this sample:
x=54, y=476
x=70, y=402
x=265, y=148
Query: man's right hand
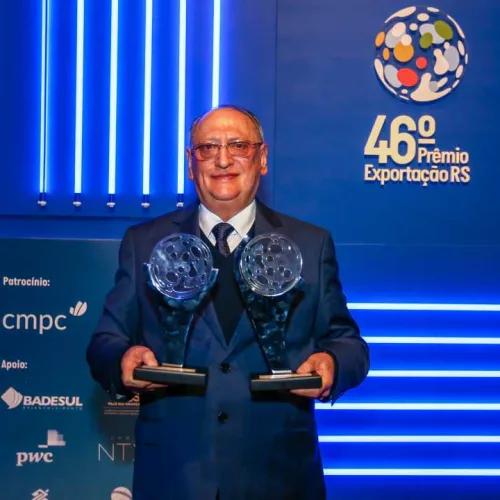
x=138, y=356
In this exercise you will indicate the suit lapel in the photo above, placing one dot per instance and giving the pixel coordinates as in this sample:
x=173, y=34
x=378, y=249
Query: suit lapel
x=266, y=221
x=188, y=222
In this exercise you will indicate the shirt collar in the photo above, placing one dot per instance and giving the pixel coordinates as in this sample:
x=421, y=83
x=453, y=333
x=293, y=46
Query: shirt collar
x=242, y=221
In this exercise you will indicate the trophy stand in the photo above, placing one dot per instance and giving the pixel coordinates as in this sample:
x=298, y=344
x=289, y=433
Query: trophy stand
x=181, y=269
x=176, y=320
x=269, y=278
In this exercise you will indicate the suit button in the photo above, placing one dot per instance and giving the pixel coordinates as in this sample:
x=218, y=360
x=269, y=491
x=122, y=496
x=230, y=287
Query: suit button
x=222, y=417
x=225, y=367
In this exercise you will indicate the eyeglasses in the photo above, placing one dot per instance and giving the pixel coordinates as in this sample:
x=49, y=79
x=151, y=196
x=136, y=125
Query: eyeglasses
x=240, y=149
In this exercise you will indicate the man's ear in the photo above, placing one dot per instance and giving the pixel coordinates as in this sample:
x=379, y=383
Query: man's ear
x=263, y=159
x=190, y=164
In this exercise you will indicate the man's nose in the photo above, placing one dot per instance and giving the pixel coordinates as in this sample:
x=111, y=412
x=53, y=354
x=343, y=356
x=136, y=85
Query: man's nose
x=223, y=158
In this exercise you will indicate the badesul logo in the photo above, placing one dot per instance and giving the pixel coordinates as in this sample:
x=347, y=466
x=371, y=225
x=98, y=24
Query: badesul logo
x=14, y=399
x=41, y=323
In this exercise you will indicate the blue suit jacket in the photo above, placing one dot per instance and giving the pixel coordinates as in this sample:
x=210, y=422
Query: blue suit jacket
x=191, y=444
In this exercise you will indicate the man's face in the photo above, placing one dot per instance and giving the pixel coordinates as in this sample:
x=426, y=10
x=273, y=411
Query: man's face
x=226, y=184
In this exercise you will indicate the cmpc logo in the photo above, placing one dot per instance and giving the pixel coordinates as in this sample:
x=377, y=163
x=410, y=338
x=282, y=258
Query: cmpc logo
x=421, y=54
x=79, y=310
x=54, y=439
x=41, y=323
x=14, y=399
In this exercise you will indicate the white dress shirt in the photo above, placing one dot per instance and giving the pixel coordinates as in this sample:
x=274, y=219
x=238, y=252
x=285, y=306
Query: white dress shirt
x=242, y=222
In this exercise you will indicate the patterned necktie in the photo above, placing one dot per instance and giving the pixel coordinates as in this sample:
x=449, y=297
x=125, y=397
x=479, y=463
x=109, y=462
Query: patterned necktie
x=221, y=232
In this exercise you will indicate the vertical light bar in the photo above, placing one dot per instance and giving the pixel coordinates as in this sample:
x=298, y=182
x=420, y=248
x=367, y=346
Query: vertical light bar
x=181, y=116
x=216, y=55
x=146, y=154
x=113, y=80
x=44, y=101
x=79, y=102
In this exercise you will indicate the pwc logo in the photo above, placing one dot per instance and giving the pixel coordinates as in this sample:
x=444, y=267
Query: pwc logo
x=41, y=323
x=54, y=439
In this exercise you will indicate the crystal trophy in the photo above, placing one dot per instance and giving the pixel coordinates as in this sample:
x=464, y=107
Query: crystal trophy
x=269, y=277
x=181, y=270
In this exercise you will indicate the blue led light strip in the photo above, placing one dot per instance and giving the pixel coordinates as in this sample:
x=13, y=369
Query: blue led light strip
x=44, y=104
x=216, y=55
x=369, y=306
x=412, y=472
x=181, y=113
x=113, y=83
x=146, y=155
x=80, y=33
x=410, y=406
x=434, y=340
x=436, y=373
x=409, y=439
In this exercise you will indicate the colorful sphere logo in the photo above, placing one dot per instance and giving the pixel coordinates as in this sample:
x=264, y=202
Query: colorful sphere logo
x=421, y=54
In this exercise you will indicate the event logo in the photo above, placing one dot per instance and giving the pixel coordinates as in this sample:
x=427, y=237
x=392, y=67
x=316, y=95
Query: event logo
x=121, y=493
x=412, y=142
x=14, y=399
x=41, y=323
x=421, y=54
x=54, y=439
x=121, y=449
x=40, y=495
x=421, y=57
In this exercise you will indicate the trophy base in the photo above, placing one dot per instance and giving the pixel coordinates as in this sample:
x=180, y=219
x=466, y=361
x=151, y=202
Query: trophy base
x=285, y=381
x=172, y=374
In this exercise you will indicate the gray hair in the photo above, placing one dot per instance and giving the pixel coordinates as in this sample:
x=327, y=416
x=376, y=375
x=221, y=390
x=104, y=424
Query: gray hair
x=244, y=111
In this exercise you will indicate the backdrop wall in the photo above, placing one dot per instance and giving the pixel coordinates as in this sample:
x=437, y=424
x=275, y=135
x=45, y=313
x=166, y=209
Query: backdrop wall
x=404, y=180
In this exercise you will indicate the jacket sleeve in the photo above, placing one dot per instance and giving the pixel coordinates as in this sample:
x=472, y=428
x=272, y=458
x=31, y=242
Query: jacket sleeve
x=117, y=328
x=336, y=331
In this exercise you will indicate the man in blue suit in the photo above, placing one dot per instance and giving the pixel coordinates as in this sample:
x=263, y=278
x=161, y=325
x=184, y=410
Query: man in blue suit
x=226, y=442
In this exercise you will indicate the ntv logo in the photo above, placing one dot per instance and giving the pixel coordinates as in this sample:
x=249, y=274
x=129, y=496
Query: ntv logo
x=43, y=322
x=121, y=450
x=13, y=399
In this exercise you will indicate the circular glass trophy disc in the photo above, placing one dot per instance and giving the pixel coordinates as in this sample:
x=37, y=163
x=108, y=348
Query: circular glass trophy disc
x=180, y=266
x=271, y=264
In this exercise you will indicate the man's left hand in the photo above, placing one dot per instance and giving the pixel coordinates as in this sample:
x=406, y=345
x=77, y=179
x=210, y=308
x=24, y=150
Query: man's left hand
x=324, y=365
